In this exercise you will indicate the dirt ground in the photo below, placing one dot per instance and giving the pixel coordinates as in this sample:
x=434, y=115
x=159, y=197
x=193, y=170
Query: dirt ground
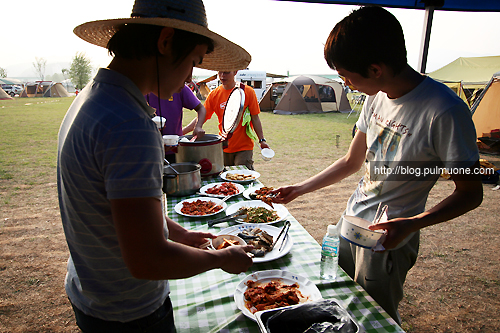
x=454, y=286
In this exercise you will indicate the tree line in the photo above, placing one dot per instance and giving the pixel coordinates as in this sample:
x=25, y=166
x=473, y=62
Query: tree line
x=79, y=72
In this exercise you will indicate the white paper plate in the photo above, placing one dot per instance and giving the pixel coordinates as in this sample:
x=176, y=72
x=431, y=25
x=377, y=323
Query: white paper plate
x=273, y=231
x=306, y=286
x=278, y=208
x=250, y=190
x=179, y=206
x=204, y=189
x=253, y=173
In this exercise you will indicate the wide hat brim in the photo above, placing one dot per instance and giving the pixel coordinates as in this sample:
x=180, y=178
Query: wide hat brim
x=226, y=56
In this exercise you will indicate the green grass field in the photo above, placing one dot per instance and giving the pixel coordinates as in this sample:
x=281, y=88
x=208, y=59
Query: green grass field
x=304, y=144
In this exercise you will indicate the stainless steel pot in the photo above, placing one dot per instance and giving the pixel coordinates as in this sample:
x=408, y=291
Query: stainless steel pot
x=187, y=182
x=207, y=152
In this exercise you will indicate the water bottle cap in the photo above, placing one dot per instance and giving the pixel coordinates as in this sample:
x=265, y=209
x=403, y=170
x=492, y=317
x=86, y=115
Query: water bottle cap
x=332, y=230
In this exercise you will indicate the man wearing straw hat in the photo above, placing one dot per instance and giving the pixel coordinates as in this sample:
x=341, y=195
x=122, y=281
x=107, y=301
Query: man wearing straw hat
x=110, y=167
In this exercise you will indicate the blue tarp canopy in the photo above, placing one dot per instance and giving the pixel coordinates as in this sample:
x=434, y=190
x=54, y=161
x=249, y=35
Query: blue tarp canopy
x=458, y=5
x=429, y=6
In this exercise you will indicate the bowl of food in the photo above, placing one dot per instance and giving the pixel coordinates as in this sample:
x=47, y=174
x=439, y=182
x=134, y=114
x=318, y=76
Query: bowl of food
x=171, y=140
x=223, y=241
x=355, y=230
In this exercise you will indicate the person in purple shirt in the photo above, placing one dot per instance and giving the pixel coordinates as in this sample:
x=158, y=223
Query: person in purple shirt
x=172, y=110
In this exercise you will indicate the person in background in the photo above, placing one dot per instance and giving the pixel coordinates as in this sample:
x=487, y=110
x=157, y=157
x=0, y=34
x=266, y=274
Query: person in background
x=172, y=110
x=410, y=120
x=123, y=248
x=239, y=149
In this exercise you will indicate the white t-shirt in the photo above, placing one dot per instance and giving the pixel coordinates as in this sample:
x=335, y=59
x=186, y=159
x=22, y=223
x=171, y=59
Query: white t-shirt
x=428, y=127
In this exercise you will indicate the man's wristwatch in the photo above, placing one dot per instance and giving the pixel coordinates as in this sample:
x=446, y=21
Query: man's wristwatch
x=262, y=140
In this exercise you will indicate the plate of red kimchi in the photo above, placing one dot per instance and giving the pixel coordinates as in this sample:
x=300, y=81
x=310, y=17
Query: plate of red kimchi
x=200, y=207
x=271, y=289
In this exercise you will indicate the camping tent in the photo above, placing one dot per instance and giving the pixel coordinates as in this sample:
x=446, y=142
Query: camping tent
x=8, y=80
x=306, y=94
x=486, y=112
x=467, y=76
x=4, y=95
x=202, y=86
x=471, y=70
x=44, y=89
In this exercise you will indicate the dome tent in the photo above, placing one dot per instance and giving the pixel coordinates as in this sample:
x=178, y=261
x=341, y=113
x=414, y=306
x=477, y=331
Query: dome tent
x=467, y=76
x=4, y=95
x=307, y=94
x=486, y=114
x=44, y=89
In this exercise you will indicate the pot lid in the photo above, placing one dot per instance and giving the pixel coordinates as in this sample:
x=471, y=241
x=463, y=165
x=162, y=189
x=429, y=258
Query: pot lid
x=233, y=110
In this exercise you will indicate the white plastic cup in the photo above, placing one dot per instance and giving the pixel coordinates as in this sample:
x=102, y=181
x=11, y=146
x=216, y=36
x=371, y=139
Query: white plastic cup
x=267, y=154
x=171, y=140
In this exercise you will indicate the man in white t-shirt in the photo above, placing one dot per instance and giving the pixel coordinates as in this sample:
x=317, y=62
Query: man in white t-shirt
x=411, y=123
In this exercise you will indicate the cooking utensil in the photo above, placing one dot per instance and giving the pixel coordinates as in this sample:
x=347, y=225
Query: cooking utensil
x=181, y=180
x=230, y=217
x=223, y=200
x=171, y=167
x=206, y=151
x=283, y=232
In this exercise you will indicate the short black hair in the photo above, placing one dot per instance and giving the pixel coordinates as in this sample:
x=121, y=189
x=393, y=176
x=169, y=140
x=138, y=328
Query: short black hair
x=369, y=35
x=138, y=41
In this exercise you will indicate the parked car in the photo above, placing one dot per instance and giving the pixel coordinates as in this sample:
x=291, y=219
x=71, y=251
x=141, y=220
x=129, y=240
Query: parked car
x=13, y=90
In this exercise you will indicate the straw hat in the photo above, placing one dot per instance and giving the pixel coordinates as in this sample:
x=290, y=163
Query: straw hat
x=188, y=15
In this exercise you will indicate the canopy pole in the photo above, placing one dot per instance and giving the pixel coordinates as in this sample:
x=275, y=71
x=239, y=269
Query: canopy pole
x=426, y=36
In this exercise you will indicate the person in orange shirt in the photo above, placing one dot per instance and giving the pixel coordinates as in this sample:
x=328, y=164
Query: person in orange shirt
x=239, y=150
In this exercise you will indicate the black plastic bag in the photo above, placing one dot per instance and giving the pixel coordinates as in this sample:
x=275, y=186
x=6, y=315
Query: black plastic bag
x=322, y=316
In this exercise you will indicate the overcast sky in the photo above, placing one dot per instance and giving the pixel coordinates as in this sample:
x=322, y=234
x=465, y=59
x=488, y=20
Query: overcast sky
x=281, y=36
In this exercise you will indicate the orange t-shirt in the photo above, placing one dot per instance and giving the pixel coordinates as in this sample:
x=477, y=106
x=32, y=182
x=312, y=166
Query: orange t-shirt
x=216, y=102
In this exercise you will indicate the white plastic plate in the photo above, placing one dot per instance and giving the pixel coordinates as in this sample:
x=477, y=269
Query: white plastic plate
x=280, y=210
x=255, y=175
x=204, y=189
x=179, y=206
x=306, y=287
x=271, y=230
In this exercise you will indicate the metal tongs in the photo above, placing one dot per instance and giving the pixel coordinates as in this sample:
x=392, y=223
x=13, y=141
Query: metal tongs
x=284, y=233
x=234, y=216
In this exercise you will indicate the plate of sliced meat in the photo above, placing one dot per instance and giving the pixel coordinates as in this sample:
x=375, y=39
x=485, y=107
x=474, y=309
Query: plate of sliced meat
x=222, y=190
x=200, y=207
x=281, y=288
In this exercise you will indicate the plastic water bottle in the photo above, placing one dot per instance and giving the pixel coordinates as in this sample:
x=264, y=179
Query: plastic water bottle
x=330, y=254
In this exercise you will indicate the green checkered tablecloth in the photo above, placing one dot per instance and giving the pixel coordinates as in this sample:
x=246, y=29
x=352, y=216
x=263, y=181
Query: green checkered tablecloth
x=205, y=303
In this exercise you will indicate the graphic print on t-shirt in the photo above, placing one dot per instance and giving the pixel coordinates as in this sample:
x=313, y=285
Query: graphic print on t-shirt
x=384, y=146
